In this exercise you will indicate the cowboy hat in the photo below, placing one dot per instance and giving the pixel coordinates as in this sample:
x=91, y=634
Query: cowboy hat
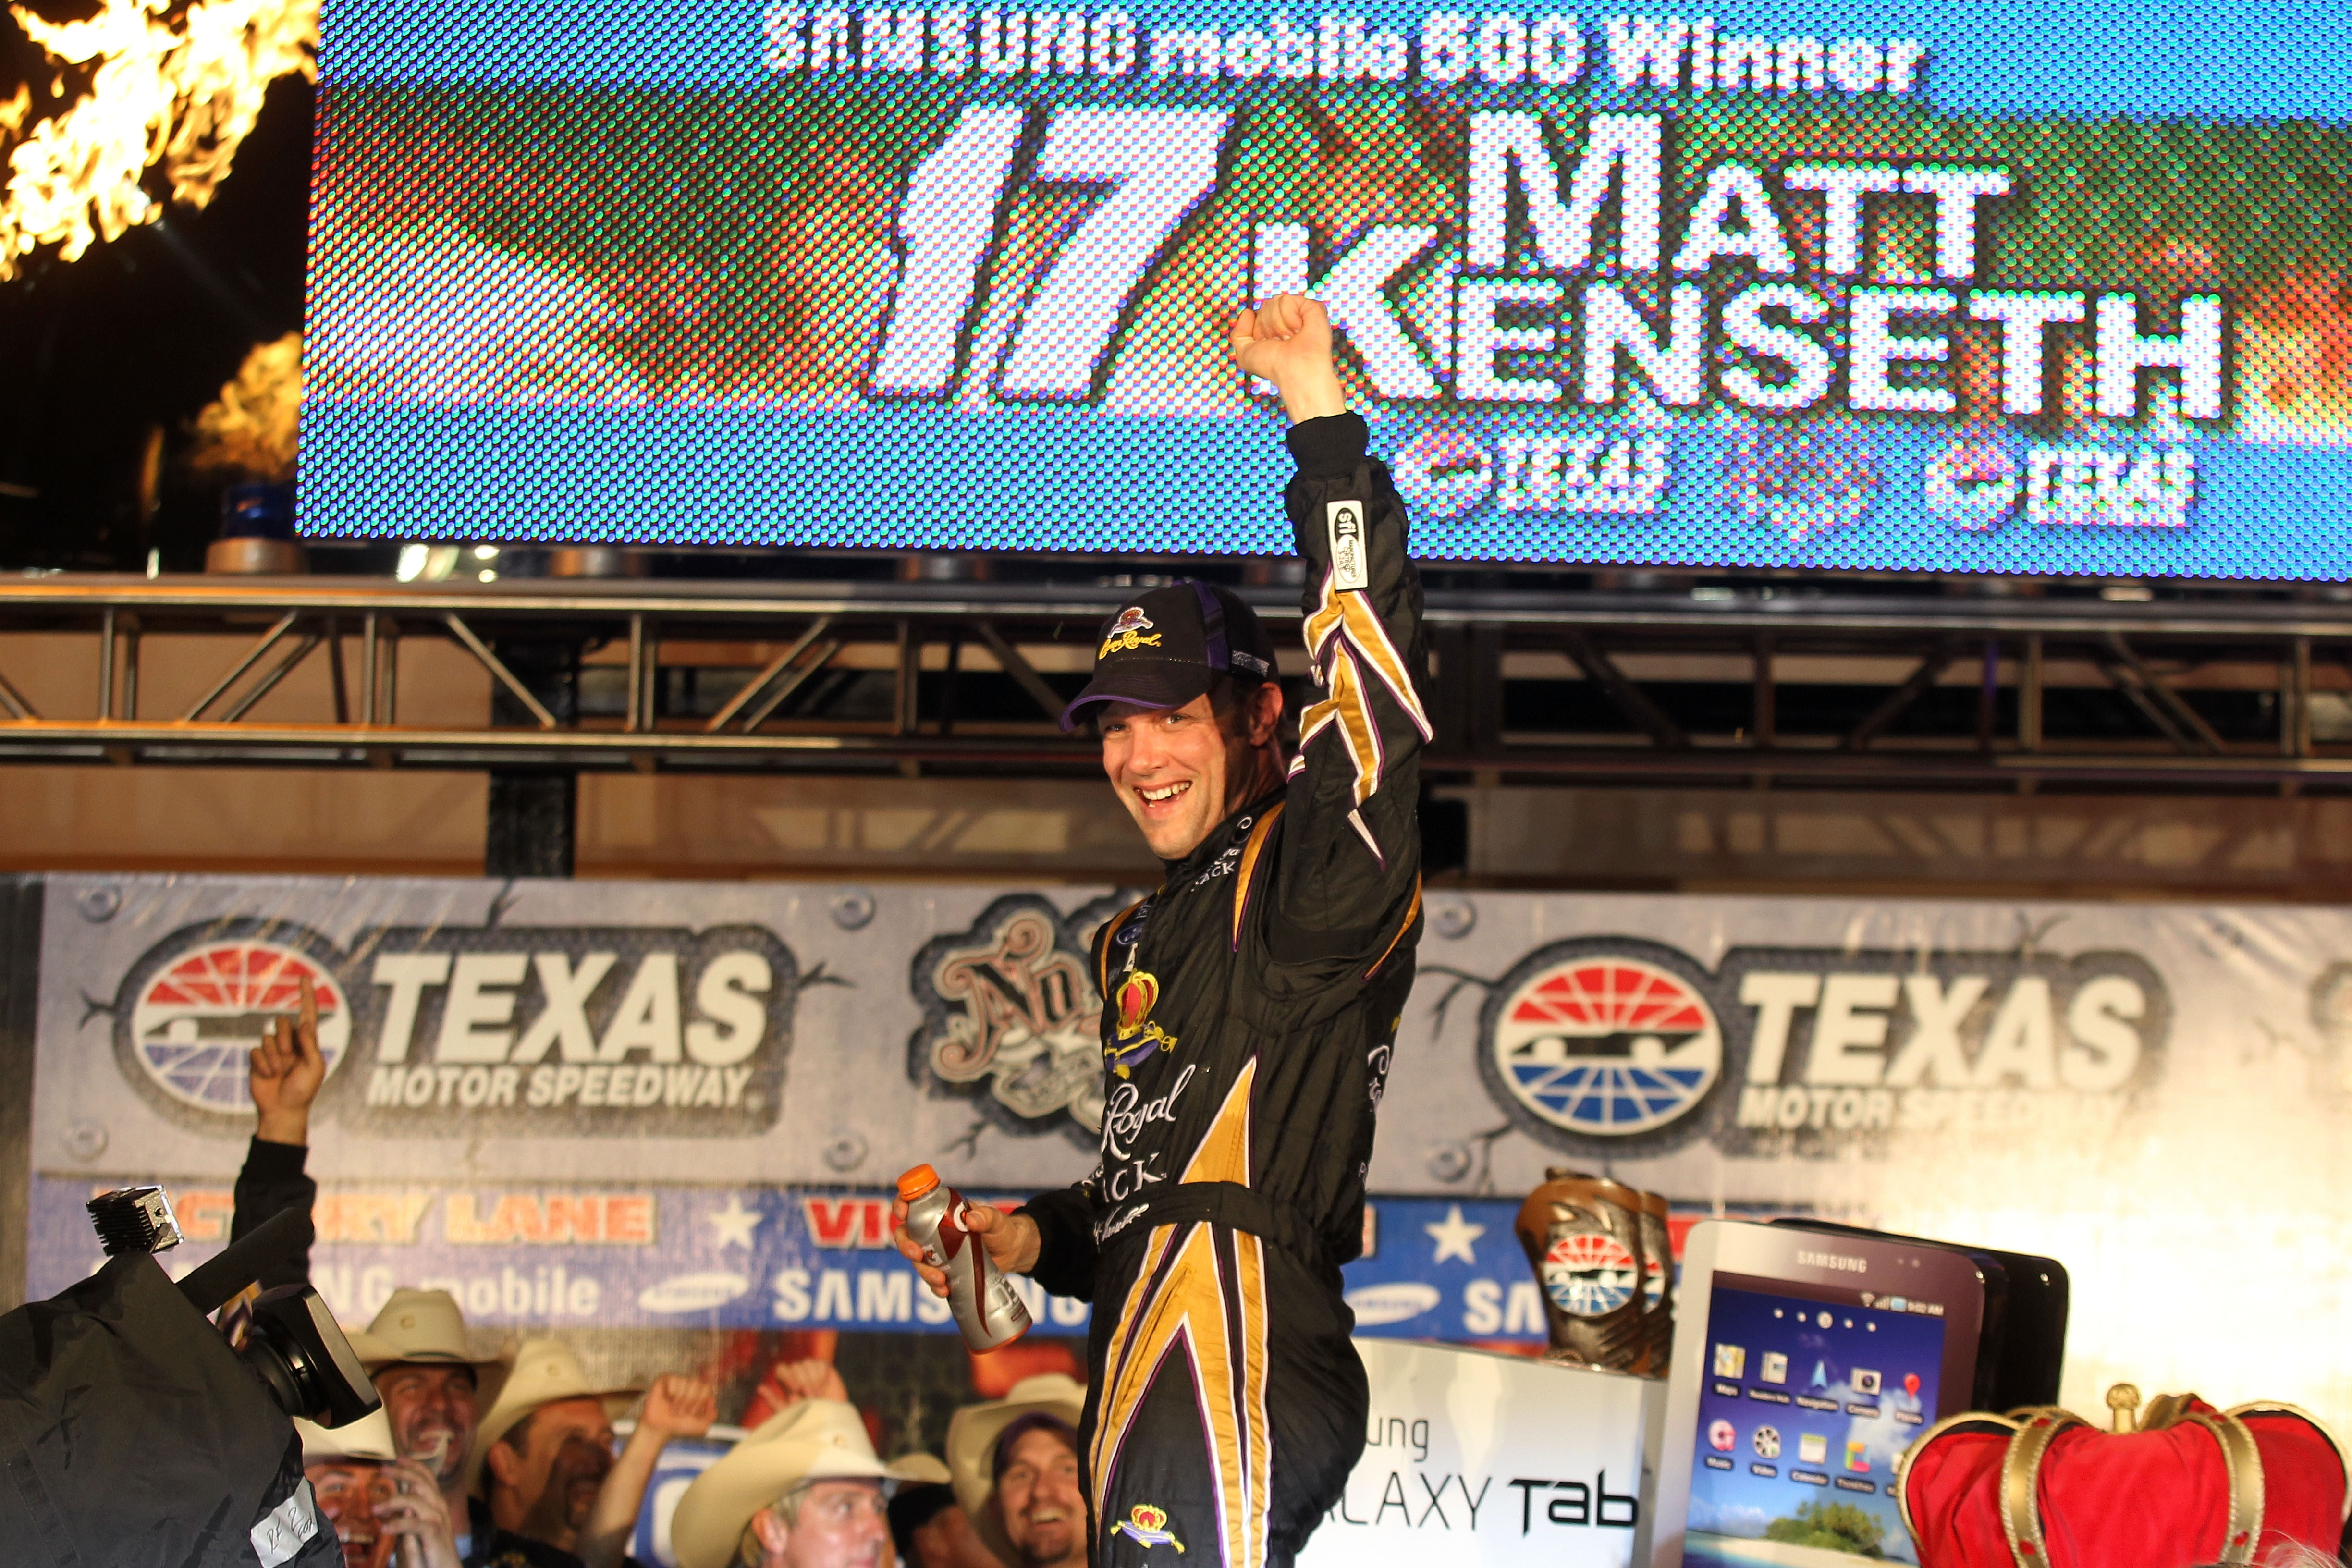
x=544, y=1371
x=369, y=1438
x=423, y=1326
x=922, y=1469
x=814, y=1440
x=972, y=1435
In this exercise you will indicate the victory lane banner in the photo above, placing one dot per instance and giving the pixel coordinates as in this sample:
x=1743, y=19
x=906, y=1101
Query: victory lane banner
x=576, y=1257
x=1959, y=288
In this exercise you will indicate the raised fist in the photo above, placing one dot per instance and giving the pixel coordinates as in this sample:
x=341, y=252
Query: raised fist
x=1287, y=339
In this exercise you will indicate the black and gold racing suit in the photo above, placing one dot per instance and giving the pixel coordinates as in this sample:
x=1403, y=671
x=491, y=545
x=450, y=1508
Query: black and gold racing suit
x=1250, y=1008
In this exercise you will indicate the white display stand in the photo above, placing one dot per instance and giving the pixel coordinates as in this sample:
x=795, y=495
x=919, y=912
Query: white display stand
x=1478, y=1460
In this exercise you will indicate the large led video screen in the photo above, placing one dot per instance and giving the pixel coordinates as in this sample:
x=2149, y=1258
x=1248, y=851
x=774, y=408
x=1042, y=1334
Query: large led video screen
x=1979, y=285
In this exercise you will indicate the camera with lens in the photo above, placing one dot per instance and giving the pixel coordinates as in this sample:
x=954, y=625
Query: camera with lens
x=144, y=1436
x=290, y=1340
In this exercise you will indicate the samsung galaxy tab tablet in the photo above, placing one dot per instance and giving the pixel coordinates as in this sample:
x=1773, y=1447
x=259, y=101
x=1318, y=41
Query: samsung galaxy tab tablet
x=1805, y=1362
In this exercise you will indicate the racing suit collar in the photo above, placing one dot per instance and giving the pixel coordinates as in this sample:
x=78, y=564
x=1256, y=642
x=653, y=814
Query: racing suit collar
x=1225, y=836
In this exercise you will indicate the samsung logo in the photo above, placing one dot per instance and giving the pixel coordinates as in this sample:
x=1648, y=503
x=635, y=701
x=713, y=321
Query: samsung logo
x=1835, y=1260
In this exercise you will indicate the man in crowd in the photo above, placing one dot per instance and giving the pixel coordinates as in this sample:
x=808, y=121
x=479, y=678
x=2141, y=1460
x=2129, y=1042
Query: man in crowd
x=804, y=1491
x=371, y=1496
x=1016, y=1464
x=931, y=1530
x=543, y=1458
x=1250, y=1011
x=433, y=1388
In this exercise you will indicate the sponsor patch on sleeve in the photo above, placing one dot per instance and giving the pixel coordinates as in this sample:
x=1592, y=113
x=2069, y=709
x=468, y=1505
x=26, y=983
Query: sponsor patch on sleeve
x=1350, y=569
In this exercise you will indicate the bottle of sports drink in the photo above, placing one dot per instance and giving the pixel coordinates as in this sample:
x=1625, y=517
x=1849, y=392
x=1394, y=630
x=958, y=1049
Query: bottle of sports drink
x=988, y=1309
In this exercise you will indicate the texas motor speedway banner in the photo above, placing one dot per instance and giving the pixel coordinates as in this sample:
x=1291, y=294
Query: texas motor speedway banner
x=604, y=1105
x=2048, y=287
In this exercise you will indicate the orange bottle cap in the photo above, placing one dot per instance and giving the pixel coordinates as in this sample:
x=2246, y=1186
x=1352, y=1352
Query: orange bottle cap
x=914, y=1183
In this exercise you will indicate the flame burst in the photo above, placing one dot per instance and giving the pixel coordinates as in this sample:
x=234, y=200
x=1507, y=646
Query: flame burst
x=179, y=95
x=250, y=431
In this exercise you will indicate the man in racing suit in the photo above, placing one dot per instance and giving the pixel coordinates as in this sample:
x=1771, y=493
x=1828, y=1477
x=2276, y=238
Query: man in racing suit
x=1250, y=1008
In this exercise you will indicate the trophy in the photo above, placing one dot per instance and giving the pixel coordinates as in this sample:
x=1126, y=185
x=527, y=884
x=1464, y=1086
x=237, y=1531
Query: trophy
x=1584, y=1238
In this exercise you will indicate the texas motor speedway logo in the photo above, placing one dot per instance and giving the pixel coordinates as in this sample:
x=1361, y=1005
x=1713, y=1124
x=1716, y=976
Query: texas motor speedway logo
x=1608, y=1041
x=1611, y=1044
x=569, y=1029
x=194, y=1010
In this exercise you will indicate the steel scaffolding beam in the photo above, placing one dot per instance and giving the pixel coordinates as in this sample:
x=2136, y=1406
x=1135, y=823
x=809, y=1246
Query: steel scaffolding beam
x=1828, y=689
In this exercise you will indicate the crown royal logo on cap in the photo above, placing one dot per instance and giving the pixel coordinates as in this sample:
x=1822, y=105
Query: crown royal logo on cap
x=1127, y=633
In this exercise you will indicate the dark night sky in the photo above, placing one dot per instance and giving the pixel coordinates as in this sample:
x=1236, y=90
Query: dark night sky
x=142, y=332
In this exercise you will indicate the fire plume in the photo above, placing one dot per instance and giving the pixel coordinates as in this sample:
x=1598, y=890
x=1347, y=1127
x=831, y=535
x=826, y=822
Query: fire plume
x=252, y=430
x=171, y=89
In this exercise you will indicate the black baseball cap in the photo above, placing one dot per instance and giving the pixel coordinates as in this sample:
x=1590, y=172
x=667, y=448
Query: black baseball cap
x=1164, y=647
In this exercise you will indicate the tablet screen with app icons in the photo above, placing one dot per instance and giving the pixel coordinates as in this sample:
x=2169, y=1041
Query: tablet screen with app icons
x=1812, y=1393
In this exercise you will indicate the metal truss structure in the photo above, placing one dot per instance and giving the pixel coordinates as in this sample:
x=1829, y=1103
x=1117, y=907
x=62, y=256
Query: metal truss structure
x=1743, y=688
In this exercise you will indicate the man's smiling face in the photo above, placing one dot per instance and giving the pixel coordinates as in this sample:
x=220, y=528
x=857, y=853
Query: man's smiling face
x=1177, y=769
x=345, y=1491
x=432, y=1410
x=1039, y=1503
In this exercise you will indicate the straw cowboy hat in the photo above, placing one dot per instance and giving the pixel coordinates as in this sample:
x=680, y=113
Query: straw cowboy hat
x=814, y=1440
x=972, y=1433
x=544, y=1371
x=919, y=1470
x=369, y=1438
x=422, y=1326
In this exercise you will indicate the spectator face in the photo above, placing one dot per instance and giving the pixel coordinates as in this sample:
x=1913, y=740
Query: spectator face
x=842, y=1524
x=432, y=1413
x=1038, y=1499
x=566, y=1453
x=345, y=1489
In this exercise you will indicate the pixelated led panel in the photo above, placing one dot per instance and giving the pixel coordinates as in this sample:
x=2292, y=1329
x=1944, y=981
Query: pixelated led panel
x=1943, y=287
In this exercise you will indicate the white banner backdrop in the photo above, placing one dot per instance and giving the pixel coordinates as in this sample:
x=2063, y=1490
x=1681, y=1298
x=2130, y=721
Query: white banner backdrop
x=1476, y=1460
x=587, y=1103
